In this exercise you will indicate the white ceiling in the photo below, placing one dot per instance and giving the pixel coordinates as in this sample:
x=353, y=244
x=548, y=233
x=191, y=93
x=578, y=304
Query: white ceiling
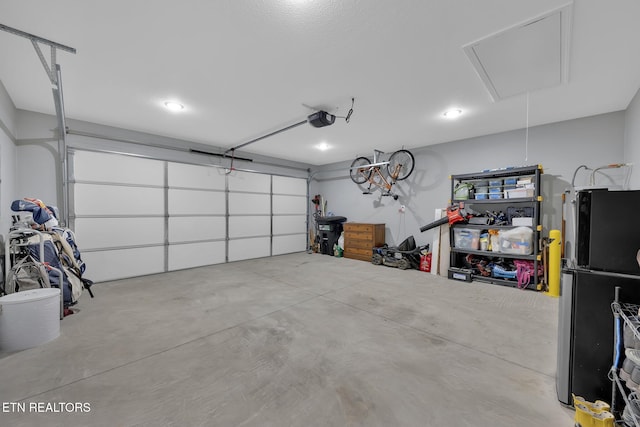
x=245, y=68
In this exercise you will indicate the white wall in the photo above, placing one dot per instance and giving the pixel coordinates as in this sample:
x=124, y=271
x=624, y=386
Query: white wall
x=7, y=158
x=37, y=150
x=559, y=147
x=632, y=139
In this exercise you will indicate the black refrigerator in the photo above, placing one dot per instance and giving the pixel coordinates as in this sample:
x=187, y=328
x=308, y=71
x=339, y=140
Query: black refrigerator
x=601, y=245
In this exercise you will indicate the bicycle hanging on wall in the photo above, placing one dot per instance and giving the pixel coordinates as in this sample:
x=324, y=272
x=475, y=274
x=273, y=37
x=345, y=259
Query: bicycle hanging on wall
x=398, y=167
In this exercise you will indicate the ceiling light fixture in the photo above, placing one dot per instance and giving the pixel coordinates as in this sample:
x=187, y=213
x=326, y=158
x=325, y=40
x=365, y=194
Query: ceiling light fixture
x=323, y=146
x=452, y=113
x=173, y=106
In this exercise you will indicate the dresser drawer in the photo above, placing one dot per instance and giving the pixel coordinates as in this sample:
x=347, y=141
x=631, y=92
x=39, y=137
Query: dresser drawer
x=359, y=244
x=358, y=228
x=361, y=254
x=357, y=235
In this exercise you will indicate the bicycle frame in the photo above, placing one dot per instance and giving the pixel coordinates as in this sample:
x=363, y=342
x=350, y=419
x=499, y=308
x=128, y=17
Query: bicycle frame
x=376, y=177
x=362, y=171
x=382, y=182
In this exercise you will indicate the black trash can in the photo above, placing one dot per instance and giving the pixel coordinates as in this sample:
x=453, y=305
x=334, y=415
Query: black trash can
x=329, y=229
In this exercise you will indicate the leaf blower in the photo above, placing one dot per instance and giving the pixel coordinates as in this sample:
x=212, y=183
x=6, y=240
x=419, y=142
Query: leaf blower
x=455, y=213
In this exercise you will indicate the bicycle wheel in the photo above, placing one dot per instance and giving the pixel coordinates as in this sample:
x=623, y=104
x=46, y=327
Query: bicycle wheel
x=360, y=171
x=401, y=164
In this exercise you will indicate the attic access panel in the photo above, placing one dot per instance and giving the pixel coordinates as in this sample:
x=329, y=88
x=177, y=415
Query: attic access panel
x=527, y=57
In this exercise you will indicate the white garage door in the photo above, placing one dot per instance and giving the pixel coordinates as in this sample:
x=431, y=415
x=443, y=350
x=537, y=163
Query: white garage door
x=289, y=215
x=196, y=211
x=118, y=214
x=249, y=215
x=135, y=216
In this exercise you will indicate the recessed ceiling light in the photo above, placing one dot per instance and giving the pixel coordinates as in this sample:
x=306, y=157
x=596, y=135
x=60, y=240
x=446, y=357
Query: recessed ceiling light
x=452, y=113
x=173, y=106
x=323, y=146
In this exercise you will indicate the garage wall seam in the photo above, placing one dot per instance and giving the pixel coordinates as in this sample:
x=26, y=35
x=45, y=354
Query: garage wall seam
x=6, y=130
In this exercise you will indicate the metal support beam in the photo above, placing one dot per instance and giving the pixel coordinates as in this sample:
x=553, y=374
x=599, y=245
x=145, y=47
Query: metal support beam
x=55, y=77
x=58, y=99
x=318, y=119
x=267, y=135
x=36, y=38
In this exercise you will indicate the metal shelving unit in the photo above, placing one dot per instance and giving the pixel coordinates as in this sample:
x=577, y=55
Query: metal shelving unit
x=624, y=313
x=533, y=203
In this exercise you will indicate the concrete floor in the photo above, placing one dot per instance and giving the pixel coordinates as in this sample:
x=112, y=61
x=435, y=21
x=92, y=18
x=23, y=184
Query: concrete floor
x=294, y=340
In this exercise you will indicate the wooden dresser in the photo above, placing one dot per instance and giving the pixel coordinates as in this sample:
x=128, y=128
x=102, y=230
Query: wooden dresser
x=360, y=239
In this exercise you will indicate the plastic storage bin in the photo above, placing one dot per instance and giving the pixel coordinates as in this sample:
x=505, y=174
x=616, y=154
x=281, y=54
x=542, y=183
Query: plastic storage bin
x=518, y=241
x=481, y=190
x=29, y=318
x=482, y=186
x=466, y=238
x=510, y=183
x=495, y=192
x=517, y=193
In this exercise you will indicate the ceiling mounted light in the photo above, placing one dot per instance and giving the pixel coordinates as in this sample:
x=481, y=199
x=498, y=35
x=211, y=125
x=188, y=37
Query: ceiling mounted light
x=453, y=113
x=173, y=106
x=323, y=146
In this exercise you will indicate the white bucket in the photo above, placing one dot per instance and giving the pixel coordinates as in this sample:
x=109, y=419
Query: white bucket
x=29, y=318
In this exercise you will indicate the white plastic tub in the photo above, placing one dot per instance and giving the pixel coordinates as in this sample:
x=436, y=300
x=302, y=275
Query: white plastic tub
x=517, y=241
x=29, y=318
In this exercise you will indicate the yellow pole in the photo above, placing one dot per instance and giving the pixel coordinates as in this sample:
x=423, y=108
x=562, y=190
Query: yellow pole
x=555, y=249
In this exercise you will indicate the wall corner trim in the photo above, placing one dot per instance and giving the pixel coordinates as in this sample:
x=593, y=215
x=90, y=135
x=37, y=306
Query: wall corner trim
x=6, y=130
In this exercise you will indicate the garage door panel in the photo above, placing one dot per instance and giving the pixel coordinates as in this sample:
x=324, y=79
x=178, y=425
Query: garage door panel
x=195, y=176
x=287, y=185
x=196, y=254
x=189, y=229
x=249, y=182
x=122, y=263
x=249, y=248
x=288, y=224
x=105, y=200
x=249, y=204
x=97, y=233
x=289, y=204
x=116, y=168
x=196, y=202
x=249, y=226
x=289, y=244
